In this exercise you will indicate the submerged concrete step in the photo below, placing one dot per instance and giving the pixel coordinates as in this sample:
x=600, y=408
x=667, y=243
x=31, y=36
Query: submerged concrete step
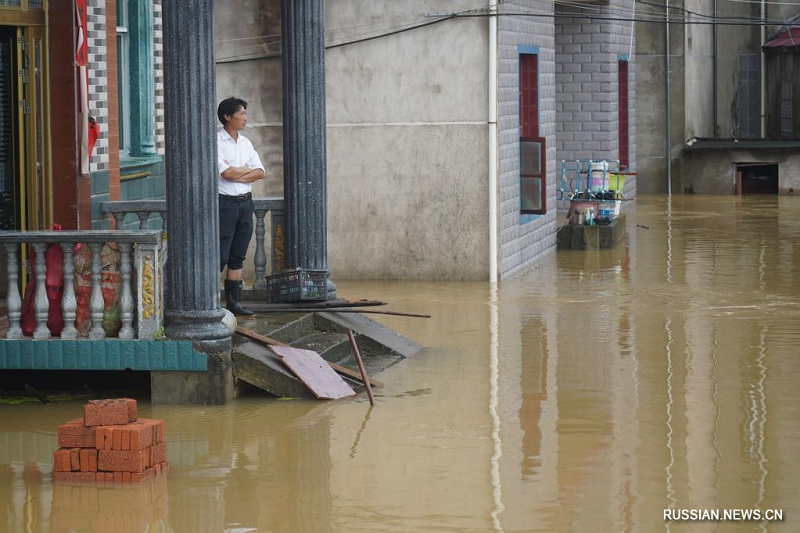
x=324, y=333
x=333, y=347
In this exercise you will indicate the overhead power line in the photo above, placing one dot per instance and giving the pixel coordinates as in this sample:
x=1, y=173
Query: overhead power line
x=477, y=13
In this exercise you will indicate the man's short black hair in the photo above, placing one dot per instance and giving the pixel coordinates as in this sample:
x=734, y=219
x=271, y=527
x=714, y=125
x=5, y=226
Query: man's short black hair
x=229, y=106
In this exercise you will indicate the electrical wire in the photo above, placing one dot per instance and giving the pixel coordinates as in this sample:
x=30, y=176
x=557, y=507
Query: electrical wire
x=598, y=15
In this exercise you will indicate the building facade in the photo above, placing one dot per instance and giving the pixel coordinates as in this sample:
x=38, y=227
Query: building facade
x=725, y=108
x=414, y=160
x=409, y=140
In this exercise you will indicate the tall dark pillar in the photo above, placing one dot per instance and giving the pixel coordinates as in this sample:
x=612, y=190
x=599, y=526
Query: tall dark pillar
x=192, y=300
x=304, y=188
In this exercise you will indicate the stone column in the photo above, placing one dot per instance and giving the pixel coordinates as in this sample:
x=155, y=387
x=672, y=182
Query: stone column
x=192, y=300
x=142, y=98
x=303, y=29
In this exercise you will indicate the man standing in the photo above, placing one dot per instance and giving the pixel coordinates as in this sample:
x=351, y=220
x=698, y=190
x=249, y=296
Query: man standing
x=239, y=166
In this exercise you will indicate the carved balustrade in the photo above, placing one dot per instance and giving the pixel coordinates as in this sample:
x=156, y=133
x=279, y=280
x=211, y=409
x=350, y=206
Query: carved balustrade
x=142, y=254
x=144, y=209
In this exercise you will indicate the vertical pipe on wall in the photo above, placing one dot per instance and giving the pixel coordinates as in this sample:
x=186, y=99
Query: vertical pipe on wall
x=493, y=247
x=763, y=85
x=714, y=72
x=667, y=99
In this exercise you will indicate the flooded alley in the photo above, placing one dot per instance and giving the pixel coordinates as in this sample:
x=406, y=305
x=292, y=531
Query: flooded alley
x=588, y=395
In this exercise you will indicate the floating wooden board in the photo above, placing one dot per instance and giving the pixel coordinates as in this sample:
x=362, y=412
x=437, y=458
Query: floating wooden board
x=314, y=372
x=270, y=342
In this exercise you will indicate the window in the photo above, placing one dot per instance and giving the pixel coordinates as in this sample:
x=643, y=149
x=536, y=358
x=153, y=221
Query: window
x=532, y=148
x=123, y=76
x=624, y=123
x=749, y=115
x=786, y=108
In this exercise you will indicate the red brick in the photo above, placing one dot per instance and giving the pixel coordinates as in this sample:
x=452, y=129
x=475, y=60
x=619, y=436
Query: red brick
x=158, y=468
x=143, y=433
x=117, y=439
x=164, y=467
x=66, y=461
x=109, y=412
x=160, y=452
x=75, y=428
x=109, y=477
x=75, y=459
x=92, y=460
x=74, y=477
x=133, y=409
x=75, y=441
x=103, y=437
x=117, y=478
x=121, y=461
x=84, y=460
x=59, y=465
x=141, y=476
x=126, y=438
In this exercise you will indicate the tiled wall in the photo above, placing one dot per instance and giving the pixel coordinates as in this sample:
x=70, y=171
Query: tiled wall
x=97, y=69
x=158, y=64
x=524, y=239
x=587, y=65
x=141, y=188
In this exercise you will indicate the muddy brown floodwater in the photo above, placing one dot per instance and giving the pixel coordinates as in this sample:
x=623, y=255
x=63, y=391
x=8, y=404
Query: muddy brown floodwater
x=588, y=395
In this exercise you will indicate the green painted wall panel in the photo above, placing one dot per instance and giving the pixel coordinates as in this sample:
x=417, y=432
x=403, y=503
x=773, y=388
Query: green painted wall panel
x=57, y=356
x=85, y=355
x=109, y=354
x=27, y=356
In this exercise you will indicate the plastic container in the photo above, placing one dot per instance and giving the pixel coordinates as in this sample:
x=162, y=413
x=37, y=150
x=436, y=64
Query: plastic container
x=296, y=286
x=598, y=176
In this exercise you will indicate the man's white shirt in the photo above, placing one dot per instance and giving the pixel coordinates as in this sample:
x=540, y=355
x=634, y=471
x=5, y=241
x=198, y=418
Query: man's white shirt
x=232, y=153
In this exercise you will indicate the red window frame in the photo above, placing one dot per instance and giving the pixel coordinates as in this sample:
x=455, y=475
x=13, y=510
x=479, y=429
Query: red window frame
x=529, y=95
x=532, y=173
x=624, y=116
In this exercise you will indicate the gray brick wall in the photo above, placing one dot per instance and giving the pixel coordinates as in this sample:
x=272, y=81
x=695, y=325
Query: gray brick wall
x=522, y=241
x=587, y=106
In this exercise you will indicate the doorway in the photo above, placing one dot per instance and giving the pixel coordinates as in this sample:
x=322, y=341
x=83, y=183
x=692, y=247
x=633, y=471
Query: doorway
x=757, y=178
x=25, y=185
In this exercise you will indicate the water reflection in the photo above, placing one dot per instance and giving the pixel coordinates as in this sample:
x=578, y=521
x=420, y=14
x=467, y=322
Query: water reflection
x=588, y=395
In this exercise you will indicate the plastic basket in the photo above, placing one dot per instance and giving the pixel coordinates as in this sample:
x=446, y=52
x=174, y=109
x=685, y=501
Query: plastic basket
x=296, y=286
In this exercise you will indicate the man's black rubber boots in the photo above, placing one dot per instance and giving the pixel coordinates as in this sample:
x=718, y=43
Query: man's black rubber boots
x=233, y=294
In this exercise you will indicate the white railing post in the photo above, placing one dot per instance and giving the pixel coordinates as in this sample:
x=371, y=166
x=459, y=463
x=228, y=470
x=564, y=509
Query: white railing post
x=13, y=300
x=69, y=305
x=126, y=299
x=41, y=305
x=260, y=258
x=96, y=302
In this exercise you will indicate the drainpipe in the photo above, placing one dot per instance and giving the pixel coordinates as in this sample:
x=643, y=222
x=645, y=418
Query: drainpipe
x=714, y=68
x=763, y=87
x=493, y=249
x=667, y=98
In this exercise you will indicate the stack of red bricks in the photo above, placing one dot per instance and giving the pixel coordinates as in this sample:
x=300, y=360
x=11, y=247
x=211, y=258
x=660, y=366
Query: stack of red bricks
x=110, y=445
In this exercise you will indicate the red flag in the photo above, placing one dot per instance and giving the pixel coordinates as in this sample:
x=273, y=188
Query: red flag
x=81, y=57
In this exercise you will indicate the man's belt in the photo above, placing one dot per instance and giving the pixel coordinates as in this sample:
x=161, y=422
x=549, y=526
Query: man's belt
x=238, y=197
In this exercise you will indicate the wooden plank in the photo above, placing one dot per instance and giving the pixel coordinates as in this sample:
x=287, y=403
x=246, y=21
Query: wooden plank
x=314, y=372
x=269, y=341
